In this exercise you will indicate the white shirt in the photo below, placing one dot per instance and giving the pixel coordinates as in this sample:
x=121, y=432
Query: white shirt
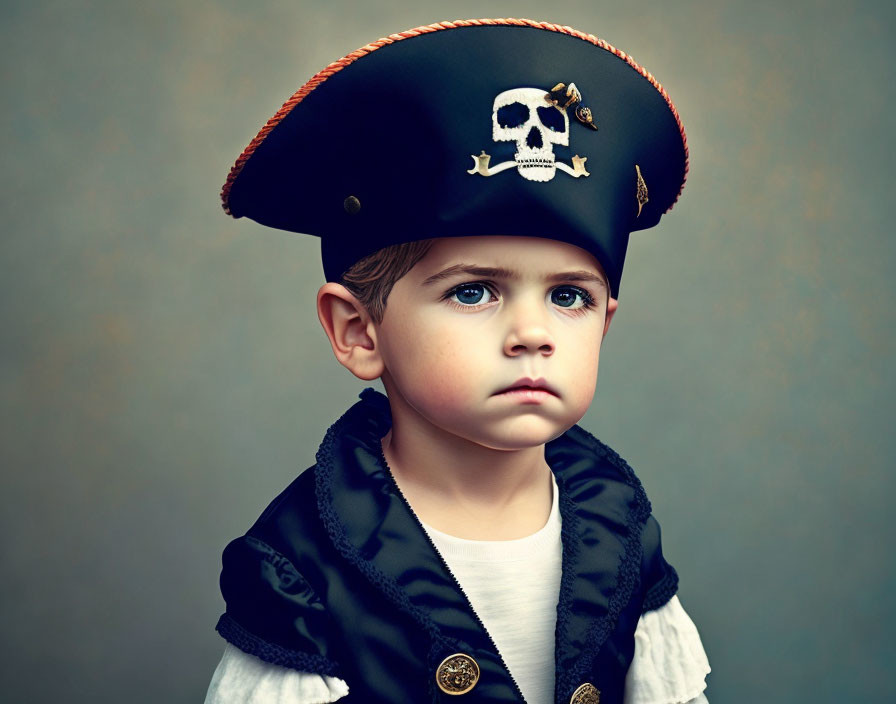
x=513, y=586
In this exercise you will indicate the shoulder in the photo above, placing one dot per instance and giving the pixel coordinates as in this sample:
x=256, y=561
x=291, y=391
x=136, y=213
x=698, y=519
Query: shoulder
x=271, y=583
x=298, y=497
x=289, y=536
x=291, y=525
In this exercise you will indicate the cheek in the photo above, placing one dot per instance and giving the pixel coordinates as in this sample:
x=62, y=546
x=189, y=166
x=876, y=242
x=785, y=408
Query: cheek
x=424, y=354
x=583, y=380
x=447, y=374
x=439, y=367
x=586, y=387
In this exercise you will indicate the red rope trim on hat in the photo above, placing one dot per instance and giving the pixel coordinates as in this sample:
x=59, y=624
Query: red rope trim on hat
x=337, y=66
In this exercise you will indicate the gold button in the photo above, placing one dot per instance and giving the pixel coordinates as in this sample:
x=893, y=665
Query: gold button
x=457, y=674
x=586, y=694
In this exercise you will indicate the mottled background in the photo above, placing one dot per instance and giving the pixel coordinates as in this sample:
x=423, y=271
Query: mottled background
x=163, y=374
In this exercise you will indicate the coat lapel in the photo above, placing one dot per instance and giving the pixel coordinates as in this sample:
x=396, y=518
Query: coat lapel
x=603, y=509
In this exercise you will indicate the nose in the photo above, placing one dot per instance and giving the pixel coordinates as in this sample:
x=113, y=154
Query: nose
x=533, y=139
x=528, y=332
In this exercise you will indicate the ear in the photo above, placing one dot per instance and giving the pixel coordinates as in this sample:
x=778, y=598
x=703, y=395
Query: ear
x=351, y=331
x=612, y=305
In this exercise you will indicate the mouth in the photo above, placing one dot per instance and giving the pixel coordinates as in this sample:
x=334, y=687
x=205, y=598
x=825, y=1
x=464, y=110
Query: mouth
x=534, y=162
x=527, y=385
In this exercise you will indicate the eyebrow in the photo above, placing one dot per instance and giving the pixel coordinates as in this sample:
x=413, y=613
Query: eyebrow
x=502, y=273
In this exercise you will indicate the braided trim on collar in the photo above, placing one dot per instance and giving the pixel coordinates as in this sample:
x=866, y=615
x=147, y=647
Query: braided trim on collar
x=323, y=489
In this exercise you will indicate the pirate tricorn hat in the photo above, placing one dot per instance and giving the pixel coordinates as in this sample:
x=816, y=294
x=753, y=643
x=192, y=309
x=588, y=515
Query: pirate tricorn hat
x=475, y=127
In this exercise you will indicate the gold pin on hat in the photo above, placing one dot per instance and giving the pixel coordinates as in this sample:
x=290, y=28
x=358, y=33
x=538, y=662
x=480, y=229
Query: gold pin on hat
x=642, y=190
x=562, y=96
x=583, y=115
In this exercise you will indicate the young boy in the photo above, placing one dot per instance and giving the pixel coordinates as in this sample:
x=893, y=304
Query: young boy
x=474, y=185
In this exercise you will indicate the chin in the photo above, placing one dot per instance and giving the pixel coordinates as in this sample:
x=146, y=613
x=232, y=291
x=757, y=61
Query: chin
x=521, y=434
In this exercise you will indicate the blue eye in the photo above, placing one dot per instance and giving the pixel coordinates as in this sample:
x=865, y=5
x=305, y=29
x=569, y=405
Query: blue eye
x=471, y=294
x=571, y=297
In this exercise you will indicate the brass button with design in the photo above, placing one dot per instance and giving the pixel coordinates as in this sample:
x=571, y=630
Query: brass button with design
x=586, y=694
x=457, y=674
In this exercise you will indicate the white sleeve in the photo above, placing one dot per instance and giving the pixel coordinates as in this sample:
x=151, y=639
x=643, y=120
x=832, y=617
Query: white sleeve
x=241, y=678
x=670, y=665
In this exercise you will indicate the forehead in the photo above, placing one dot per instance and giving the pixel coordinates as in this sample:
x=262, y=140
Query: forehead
x=529, y=256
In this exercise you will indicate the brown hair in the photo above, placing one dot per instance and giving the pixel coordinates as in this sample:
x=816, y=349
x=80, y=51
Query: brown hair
x=371, y=279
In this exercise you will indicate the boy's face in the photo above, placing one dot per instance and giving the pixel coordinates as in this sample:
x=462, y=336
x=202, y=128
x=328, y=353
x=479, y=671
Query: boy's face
x=478, y=314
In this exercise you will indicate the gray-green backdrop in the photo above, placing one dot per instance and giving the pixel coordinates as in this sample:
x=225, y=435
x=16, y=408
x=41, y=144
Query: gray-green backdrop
x=163, y=374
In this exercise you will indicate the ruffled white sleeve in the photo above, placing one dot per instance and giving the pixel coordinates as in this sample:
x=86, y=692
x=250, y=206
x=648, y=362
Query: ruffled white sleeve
x=670, y=665
x=241, y=678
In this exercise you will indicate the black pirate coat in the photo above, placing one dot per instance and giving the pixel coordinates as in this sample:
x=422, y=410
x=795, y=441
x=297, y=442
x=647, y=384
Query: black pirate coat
x=338, y=577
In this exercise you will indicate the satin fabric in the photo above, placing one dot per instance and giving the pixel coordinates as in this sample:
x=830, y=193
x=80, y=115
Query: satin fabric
x=338, y=576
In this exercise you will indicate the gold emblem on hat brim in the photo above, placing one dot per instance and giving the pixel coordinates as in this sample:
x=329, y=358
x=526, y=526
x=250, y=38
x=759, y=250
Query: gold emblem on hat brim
x=578, y=166
x=457, y=674
x=642, y=190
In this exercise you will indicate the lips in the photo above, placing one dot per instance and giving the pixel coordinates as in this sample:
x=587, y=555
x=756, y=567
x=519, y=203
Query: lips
x=529, y=384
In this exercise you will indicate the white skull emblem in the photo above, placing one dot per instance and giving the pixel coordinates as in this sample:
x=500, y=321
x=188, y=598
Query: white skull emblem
x=522, y=115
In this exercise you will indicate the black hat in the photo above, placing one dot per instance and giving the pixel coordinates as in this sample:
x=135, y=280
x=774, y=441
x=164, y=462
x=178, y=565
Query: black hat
x=474, y=127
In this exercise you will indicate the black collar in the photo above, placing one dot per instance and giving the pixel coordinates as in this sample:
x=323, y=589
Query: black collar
x=603, y=510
